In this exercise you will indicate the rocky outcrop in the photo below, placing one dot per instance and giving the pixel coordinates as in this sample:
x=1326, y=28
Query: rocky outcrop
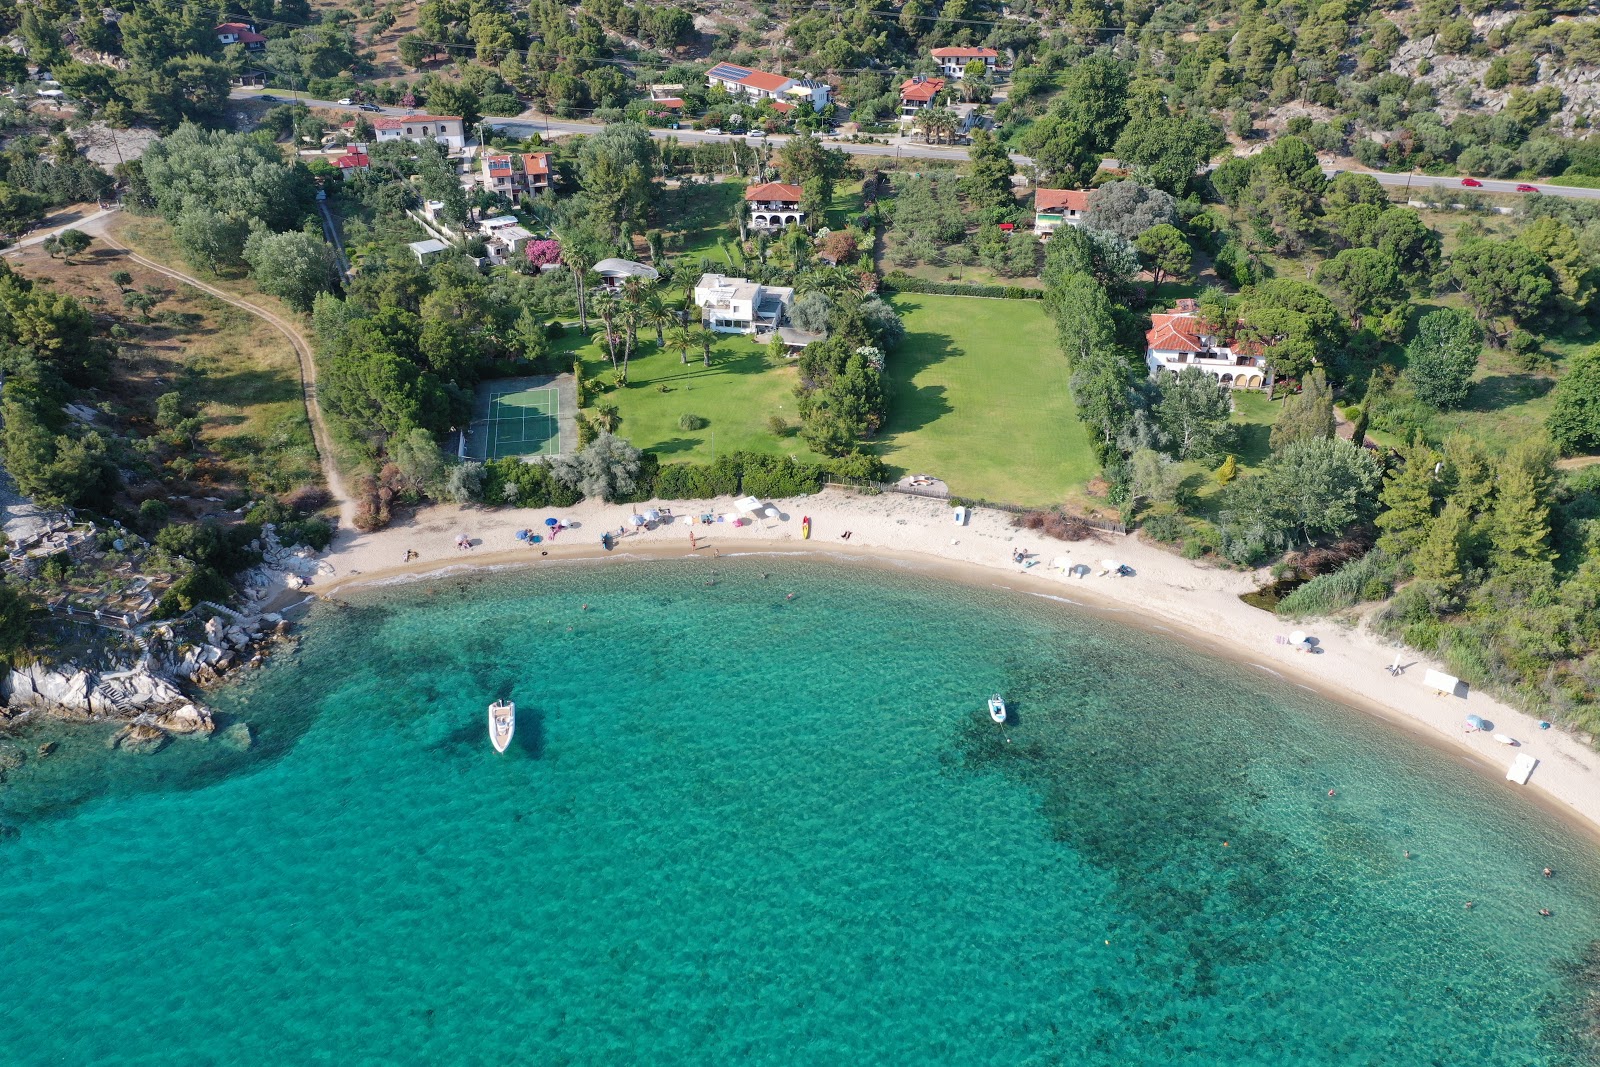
x=237, y=737
x=139, y=737
x=186, y=718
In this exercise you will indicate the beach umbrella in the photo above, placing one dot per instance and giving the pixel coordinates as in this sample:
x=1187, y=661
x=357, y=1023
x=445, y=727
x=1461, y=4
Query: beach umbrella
x=552, y=522
x=638, y=520
x=1476, y=723
x=1110, y=564
x=652, y=515
x=1298, y=637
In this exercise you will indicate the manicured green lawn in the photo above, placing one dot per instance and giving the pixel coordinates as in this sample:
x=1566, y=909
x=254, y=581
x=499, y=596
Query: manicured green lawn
x=736, y=395
x=978, y=397
x=695, y=216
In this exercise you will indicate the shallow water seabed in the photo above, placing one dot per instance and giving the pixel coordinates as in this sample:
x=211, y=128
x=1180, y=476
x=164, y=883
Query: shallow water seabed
x=733, y=825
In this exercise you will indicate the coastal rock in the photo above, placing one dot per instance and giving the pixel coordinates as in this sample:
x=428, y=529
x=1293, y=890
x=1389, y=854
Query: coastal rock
x=37, y=685
x=140, y=738
x=11, y=757
x=215, y=629
x=237, y=737
x=187, y=718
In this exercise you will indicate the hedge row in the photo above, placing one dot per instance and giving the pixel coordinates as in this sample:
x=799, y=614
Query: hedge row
x=905, y=283
x=741, y=473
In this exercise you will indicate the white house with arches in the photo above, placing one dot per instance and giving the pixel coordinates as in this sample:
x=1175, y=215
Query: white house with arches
x=774, y=205
x=1183, y=338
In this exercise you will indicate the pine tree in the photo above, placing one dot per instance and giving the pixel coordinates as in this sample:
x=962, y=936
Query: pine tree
x=1440, y=557
x=1470, y=475
x=1408, y=499
x=1519, y=525
x=1305, y=416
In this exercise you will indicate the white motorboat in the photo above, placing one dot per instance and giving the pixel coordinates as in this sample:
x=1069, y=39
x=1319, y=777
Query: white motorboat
x=997, y=708
x=502, y=722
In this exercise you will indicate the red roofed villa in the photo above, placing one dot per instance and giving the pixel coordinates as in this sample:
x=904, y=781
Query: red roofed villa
x=354, y=161
x=774, y=205
x=527, y=172
x=240, y=33
x=953, y=61
x=448, y=130
x=1052, y=207
x=1183, y=338
x=917, y=93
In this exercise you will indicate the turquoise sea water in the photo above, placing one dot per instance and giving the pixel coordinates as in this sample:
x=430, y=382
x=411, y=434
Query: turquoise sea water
x=735, y=827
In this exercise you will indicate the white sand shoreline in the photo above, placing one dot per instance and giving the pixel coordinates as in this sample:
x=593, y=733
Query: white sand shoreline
x=1167, y=595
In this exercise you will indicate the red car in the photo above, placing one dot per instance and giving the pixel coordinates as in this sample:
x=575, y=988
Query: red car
x=1527, y=188
x=1472, y=183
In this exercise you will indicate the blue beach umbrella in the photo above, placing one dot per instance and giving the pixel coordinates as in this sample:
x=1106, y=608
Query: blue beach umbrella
x=550, y=522
x=1476, y=723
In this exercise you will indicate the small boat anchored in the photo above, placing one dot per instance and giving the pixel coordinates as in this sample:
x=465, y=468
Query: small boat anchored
x=502, y=722
x=997, y=708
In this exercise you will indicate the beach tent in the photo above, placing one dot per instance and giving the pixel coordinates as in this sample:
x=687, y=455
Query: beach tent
x=748, y=505
x=1444, y=683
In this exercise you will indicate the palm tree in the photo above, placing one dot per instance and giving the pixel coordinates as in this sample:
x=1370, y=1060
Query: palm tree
x=682, y=338
x=607, y=307
x=578, y=260
x=655, y=313
x=705, y=339
x=835, y=281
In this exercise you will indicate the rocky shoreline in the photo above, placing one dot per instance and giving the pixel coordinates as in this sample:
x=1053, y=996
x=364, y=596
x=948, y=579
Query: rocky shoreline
x=147, y=696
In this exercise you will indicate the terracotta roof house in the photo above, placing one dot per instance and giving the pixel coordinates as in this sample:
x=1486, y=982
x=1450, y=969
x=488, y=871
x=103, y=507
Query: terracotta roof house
x=917, y=93
x=240, y=33
x=1183, y=338
x=1052, y=207
x=527, y=172
x=448, y=130
x=774, y=205
x=760, y=85
x=354, y=161
x=953, y=61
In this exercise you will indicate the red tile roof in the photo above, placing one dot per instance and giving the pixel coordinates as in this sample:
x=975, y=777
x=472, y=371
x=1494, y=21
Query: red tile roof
x=781, y=107
x=498, y=164
x=671, y=103
x=920, y=89
x=965, y=53
x=240, y=30
x=1056, y=199
x=536, y=163
x=1174, y=333
x=353, y=158
x=774, y=191
x=389, y=123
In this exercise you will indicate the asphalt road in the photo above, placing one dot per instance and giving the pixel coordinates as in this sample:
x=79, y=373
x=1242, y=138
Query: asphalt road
x=524, y=125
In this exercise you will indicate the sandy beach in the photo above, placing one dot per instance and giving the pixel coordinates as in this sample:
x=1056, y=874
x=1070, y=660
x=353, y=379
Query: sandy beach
x=1195, y=604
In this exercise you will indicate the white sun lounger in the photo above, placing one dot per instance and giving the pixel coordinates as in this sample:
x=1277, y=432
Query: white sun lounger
x=1522, y=769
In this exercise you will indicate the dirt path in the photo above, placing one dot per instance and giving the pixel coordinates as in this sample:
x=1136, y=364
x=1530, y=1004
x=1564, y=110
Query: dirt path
x=302, y=350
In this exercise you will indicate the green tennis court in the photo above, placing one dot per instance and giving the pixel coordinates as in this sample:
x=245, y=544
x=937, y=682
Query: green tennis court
x=516, y=422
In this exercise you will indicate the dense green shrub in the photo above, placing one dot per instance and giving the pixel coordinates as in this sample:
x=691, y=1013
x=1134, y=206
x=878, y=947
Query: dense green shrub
x=1165, y=526
x=1369, y=578
x=186, y=592
x=528, y=485
x=905, y=283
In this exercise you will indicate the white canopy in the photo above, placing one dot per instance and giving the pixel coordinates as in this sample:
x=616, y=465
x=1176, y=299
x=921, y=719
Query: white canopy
x=1061, y=563
x=748, y=504
x=1298, y=637
x=1444, y=683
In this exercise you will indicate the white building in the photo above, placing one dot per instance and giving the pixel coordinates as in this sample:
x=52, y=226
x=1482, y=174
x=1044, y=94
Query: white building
x=613, y=272
x=448, y=130
x=426, y=250
x=1053, y=208
x=953, y=61
x=774, y=205
x=759, y=85
x=1183, y=339
x=738, y=305
x=506, y=236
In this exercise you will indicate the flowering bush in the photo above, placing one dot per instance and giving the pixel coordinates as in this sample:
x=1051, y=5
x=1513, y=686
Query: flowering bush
x=543, y=253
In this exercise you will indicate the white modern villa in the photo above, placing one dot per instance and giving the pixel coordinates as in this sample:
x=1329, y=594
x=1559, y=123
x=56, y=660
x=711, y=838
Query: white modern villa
x=1182, y=339
x=738, y=305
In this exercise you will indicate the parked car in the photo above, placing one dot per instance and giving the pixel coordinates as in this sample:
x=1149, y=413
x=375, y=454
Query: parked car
x=715, y=131
x=755, y=135
x=370, y=107
x=1472, y=183
x=1527, y=188
x=268, y=97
